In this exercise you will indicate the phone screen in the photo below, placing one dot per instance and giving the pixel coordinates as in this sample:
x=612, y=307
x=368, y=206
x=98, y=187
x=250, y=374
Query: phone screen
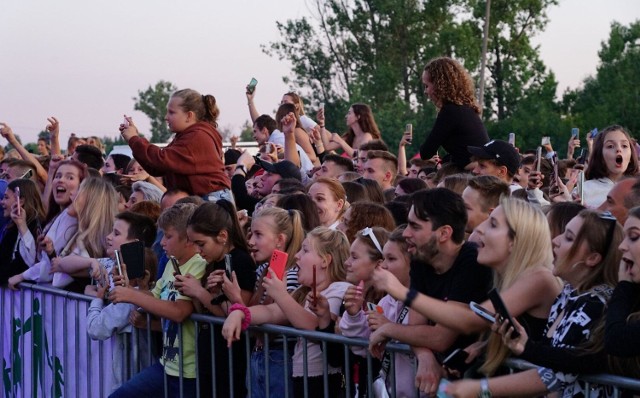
x=227, y=265
x=133, y=256
x=252, y=85
x=482, y=312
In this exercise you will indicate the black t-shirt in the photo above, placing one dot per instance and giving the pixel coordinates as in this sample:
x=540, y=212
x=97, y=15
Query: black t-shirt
x=465, y=281
x=455, y=128
x=243, y=265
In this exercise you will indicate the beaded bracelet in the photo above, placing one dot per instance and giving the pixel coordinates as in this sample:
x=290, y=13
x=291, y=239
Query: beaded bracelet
x=247, y=314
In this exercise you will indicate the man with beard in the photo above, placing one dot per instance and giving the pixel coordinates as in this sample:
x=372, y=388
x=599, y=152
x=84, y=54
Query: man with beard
x=443, y=266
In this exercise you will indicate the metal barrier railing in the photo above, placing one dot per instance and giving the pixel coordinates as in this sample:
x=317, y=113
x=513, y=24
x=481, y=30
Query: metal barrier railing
x=47, y=327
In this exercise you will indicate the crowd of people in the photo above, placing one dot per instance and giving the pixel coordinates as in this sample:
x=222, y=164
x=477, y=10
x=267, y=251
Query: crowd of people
x=340, y=234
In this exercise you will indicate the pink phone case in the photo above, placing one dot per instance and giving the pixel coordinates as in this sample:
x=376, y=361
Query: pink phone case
x=278, y=263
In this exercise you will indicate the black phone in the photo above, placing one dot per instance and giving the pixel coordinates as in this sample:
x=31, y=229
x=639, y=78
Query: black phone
x=456, y=360
x=133, y=256
x=176, y=266
x=228, y=269
x=501, y=310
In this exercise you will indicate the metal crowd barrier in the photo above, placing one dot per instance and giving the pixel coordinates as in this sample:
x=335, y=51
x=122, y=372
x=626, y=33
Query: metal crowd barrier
x=46, y=352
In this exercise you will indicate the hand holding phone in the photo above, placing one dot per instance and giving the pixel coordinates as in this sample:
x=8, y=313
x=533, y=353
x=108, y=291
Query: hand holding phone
x=278, y=263
x=512, y=139
x=574, y=133
x=133, y=256
x=501, y=310
x=176, y=266
x=227, y=266
x=456, y=360
x=482, y=312
x=251, y=87
x=538, y=159
x=408, y=132
x=17, y=195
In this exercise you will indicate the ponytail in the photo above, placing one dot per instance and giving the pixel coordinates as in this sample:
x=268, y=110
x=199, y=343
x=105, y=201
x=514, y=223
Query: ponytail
x=204, y=107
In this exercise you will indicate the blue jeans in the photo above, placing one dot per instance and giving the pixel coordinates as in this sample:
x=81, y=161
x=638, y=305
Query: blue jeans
x=217, y=195
x=150, y=383
x=277, y=382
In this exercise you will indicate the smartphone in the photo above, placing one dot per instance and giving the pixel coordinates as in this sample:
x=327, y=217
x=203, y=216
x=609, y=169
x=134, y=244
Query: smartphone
x=313, y=287
x=17, y=195
x=442, y=389
x=539, y=158
x=574, y=133
x=118, y=261
x=553, y=186
x=582, y=159
x=252, y=85
x=593, y=133
x=408, y=131
x=581, y=186
x=133, y=255
x=374, y=307
x=278, y=263
x=512, y=139
x=545, y=141
x=125, y=121
x=227, y=266
x=456, y=360
x=27, y=175
x=176, y=266
x=482, y=312
x=501, y=309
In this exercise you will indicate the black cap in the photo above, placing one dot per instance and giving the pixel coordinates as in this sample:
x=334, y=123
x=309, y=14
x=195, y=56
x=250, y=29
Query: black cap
x=284, y=168
x=501, y=151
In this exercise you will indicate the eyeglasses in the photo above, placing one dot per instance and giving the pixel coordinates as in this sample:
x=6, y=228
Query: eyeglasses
x=369, y=232
x=607, y=216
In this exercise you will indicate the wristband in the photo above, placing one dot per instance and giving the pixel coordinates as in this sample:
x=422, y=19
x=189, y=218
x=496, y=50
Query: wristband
x=411, y=295
x=247, y=314
x=484, y=389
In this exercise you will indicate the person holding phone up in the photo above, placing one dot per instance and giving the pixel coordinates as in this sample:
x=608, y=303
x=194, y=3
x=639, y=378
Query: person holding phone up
x=193, y=160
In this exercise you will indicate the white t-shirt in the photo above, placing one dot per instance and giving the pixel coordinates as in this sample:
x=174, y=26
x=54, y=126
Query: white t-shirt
x=277, y=137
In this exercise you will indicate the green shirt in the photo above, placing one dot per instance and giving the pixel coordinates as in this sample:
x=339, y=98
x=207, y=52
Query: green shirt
x=164, y=290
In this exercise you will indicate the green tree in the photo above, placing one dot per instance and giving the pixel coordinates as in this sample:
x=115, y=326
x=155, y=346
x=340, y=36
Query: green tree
x=612, y=95
x=153, y=103
x=246, y=135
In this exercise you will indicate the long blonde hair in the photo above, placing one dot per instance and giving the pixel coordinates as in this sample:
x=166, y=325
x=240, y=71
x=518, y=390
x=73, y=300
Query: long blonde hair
x=531, y=248
x=96, y=215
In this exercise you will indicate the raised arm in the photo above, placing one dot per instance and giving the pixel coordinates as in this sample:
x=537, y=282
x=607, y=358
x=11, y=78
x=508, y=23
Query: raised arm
x=7, y=133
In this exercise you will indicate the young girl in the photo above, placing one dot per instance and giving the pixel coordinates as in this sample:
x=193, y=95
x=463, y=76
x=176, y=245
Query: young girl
x=193, y=160
x=586, y=257
x=396, y=260
x=612, y=158
x=273, y=228
x=216, y=233
x=61, y=223
x=324, y=251
x=365, y=255
x=301, y=136
x=96, y=206
x=26, y=215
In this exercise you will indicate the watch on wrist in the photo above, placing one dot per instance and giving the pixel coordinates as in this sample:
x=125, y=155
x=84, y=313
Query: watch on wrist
x=484, y=389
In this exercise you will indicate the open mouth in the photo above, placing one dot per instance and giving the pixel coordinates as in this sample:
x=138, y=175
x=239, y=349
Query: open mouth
x=619, y=160
x=628, y=263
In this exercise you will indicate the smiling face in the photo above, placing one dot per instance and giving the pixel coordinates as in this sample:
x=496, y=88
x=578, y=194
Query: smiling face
x=630, y=248
x=562, y=245
x=65, y=184
x=117, y=237
x=177, y=119
x=494, y=240
x=264, y=240
x=616, y=153
x=7, y=201
x=328, y=207
x=359, y=265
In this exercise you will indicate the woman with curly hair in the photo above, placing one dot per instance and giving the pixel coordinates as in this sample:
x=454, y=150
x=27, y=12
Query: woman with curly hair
x=448, y=85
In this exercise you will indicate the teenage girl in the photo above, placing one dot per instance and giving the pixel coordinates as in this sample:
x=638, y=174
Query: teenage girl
x=26, y=214
x=193, y=160
x=612, y=158
x=61, y=223
x=216, y=233
x=362, y=129
x=322, y=252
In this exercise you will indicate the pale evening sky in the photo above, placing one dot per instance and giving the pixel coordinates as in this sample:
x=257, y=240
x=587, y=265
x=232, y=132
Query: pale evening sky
x=84, y=61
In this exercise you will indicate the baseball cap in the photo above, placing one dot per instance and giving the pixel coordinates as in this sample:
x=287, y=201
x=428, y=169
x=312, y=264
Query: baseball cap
x=501, y=151
x=231, y=156
x=284, y=168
